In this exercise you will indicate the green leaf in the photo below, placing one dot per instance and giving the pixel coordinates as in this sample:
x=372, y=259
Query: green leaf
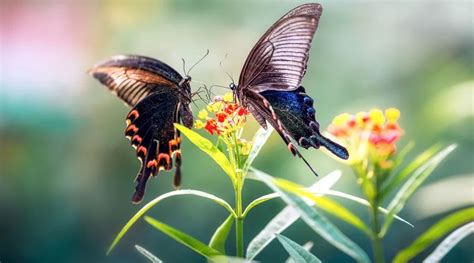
x=148, y=254
x=444, y=226
x=316, y=221
x=258, y=201
x=307, y=246
x=400, y=157
x=297, y=252
x=184, y=239
x=362, y=202
x=448, y=243
x=260, y=138
x=395, y=182
x=220, y=236
x=410, y=186
x=286, y=217
x=208, y=147
x=153, y=202
x=325, y=204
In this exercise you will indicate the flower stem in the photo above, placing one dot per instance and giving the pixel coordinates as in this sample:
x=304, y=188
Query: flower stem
x=239, y=222
x=377, y=246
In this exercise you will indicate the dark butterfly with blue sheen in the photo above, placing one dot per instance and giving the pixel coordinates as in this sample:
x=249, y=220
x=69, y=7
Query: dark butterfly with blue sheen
x=159, y=96
x=269, y=84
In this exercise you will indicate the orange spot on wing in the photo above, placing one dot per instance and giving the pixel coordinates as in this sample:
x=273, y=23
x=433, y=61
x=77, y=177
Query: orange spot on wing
x=164, y=156
x=132, y=128
x=133, y=115
x=151, y=163
x=142, y=150
x=137, y=139
x=292, y=149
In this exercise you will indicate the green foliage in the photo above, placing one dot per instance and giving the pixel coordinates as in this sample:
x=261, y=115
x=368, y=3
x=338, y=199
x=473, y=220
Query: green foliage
x=260, y=138
x=155, y=201
x=219, y=237
x=148, y=254
x=184, y=239
x=325, y=204
x=316, y=221
x=286, y=217
x=298, y=253
x=444, y=226
x=208, y=147
x=448, y=243
x=362, y=202
x=396, y=180
x=419, y=175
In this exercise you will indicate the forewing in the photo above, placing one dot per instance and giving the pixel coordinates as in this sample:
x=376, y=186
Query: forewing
x=278, y=61
x=132, y=78
x=151, y=132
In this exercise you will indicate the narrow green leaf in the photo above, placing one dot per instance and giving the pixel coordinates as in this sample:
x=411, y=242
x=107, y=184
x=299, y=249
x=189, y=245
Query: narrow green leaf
x=362, y=202
x=184, y=239
x=396, y=180
x=307, y=246
x=220, y=236
x=258, y=201
x=286, y=217
x=400, y=157
x=441, y=228
x=260, y=138
x=208, y=147
x=153, y=202
x=316, y=221
x=297, y=252
x=325, y=204
x=410, y=186
x=148, y=254
x=448, y=243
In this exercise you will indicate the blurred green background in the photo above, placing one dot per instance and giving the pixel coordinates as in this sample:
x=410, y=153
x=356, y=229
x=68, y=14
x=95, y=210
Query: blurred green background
x=66, y=171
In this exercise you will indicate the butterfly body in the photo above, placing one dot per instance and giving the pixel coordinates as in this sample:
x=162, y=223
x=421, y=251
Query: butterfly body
x=270, y=81
x=159, y=97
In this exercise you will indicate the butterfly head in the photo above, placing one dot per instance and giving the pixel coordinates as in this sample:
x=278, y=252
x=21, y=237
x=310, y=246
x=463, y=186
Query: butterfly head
x=187, y=79
x=232, y=86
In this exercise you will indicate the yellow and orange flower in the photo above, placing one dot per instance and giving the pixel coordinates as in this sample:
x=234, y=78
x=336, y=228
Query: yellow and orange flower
x=372, y=134
x=228, y=116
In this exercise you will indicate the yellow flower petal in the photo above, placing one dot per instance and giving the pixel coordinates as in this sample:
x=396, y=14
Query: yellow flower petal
x=198, y=124
x=202, y=114
x=341, y=119
x=392, y=114
x=360, y=118
x=376, y=116
x=228, y=97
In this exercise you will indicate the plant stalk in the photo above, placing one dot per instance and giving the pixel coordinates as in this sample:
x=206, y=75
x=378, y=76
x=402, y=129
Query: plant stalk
x=239, y=222
x=377, y=246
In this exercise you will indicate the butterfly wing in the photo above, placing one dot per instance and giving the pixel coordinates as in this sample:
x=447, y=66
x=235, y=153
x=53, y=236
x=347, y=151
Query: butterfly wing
x=278, y=61
x=294, y=114
x=132, y=78
x=158, y=100
x=151, y=132
x=269, y=85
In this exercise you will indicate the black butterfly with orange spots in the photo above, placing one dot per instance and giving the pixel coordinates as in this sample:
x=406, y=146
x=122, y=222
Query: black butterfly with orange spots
x=159, y=96
x=270, y=82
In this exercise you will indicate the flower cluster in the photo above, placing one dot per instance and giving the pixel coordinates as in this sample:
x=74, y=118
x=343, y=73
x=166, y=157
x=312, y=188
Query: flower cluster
x=370, y=134
x=227, y=117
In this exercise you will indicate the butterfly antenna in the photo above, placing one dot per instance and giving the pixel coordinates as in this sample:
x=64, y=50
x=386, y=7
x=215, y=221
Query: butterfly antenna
x=227, y=73
x=184, y=67
x=199, y=61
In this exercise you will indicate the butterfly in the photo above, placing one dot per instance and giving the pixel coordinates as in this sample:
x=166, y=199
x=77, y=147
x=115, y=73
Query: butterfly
x=159, y=96
x=269, y=83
